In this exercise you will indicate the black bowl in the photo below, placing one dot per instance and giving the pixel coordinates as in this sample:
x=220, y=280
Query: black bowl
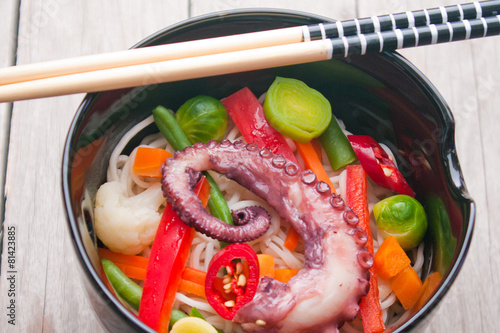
x=381, y=95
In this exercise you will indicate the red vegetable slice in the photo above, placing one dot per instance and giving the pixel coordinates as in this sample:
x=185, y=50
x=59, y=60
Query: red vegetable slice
x=244, y=294
x=167, y=260
x=248, y=115
x=356, y=198
x=378, y=165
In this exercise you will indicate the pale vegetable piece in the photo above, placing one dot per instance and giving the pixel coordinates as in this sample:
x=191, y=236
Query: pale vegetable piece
x=192, y=325
x=127, y=224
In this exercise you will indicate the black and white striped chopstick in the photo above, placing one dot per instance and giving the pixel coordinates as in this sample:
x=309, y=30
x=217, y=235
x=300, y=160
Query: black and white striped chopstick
x=409, y=19
x=416, y=36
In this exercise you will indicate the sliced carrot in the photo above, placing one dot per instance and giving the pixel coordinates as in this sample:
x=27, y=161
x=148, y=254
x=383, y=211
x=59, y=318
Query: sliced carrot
x=192, y=288
x=313, y=162
x=119, y=258
x=430, y=285
x=317, y=147
x=292, y=239
x=284, y=275
x=132, y=272
x=390, y=258
x=194, y=275
x=266, y=265
x=406, y=286
x=148, y=161
x=356, y=198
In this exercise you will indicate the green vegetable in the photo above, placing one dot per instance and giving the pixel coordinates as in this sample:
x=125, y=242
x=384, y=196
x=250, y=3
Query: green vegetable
x=295, y=110
x=336, y=145
x=403, y=217
x=195, y=313
x=202, y=118
x=175, y=316
x=127, y=291
x=168, y=126
x=440, y=231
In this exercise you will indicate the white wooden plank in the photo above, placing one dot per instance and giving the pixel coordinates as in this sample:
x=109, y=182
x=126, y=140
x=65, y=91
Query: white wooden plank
x=456, y=70
x=50, y=295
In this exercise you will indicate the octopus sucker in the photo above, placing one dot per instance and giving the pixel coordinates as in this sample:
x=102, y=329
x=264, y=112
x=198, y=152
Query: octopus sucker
x=323, y=294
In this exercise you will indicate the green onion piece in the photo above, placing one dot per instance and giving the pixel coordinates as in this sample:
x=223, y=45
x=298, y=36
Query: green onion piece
x=168, y=126
x=125, y=289
x=202, y=118
x=336, y=145
x=296, y=110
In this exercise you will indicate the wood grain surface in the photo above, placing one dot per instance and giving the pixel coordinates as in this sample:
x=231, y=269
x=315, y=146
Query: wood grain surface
x=49, y=296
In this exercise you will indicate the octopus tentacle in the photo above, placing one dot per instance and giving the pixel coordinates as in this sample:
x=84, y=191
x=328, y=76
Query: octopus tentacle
x=323, y=294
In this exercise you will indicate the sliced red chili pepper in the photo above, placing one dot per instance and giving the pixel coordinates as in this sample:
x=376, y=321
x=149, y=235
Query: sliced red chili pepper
x=248, y=115
x=378, y=165
x=244, y=291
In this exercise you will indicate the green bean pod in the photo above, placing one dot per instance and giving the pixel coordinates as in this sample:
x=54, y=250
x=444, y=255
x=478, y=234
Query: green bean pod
x=168, y=126
x=336, y=145
x=125, y=289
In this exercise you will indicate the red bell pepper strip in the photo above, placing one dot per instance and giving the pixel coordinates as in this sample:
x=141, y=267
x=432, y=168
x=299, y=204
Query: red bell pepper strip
x=378, y=165
x=244, y=293
x=248, y=115
x=369, y=307
x=167, y=260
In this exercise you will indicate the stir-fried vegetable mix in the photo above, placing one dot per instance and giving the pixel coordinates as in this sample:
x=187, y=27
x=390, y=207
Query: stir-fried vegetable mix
x=291, y=110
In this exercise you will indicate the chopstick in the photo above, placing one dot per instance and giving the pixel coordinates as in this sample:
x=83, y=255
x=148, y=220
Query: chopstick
x=247, y=41
x=237, y=53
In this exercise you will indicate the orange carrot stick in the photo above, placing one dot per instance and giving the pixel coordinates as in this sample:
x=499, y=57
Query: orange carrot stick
x=309, y=153
x=132, y=272
x=390, y=258
x=406, y=285
x=370, y=309
x=317, y=147
x=313, y=162
x=194, y=275
x=192, y=288
x=266, y=265
x=284, y=275
x=148, y=161
x=119, y=258
x=428, y=288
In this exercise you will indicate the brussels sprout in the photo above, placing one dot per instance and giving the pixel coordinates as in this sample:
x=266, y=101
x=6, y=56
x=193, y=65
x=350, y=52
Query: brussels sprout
x=403, y=217
x=202, y=118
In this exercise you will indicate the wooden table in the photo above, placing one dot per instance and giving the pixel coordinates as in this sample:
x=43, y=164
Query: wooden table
x=49, y=296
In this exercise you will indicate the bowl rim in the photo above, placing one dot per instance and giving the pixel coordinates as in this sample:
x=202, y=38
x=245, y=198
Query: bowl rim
x=459, y=188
